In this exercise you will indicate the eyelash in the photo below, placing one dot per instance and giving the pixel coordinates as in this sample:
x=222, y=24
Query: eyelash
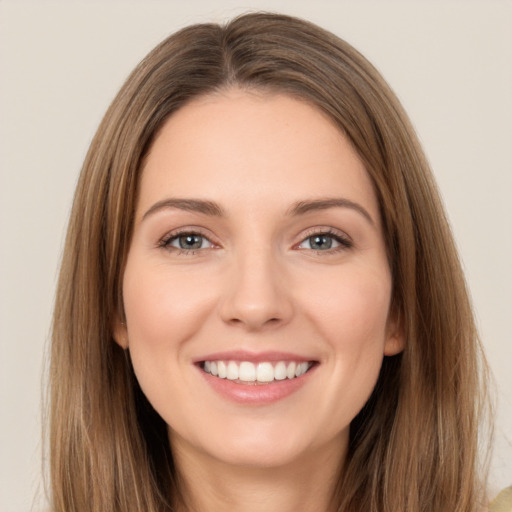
x=165, y=242
x=343, y=241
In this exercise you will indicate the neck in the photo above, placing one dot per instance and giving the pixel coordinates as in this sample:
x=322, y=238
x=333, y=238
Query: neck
x=307, y=485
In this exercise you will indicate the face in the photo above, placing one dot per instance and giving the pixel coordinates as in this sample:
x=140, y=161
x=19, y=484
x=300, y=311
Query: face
x=257, y=287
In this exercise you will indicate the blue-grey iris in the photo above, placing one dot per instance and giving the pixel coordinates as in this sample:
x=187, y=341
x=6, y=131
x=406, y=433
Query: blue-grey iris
x=320, y=242
x=190, y=241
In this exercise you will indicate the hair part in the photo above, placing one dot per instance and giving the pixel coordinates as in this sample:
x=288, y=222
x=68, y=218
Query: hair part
x=414, y=445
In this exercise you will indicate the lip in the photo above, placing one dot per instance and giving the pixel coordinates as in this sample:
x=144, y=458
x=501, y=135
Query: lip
x=253, y=357
x=255, y=394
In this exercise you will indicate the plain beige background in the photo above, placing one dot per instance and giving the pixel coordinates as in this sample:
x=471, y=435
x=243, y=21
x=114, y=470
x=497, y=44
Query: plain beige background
x=61, y=63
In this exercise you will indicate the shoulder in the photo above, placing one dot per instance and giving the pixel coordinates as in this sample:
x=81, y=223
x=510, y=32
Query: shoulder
x=502, y=502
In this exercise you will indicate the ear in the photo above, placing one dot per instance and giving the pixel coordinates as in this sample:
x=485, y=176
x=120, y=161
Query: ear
x=120, y=332
x=395, y=336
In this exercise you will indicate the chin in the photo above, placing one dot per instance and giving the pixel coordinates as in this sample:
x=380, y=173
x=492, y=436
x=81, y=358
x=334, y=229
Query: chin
x=263, y=445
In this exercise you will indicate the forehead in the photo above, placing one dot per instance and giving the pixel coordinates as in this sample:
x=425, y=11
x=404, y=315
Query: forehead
x=249, y=147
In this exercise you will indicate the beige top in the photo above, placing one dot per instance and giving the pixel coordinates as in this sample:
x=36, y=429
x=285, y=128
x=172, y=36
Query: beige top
x=502, y=502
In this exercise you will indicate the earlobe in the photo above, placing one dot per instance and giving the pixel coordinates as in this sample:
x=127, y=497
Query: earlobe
x=120, y=332
x=394, y=345
x=395, y=341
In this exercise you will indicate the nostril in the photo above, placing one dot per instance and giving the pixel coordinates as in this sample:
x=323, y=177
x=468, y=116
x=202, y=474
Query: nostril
x=254, y=323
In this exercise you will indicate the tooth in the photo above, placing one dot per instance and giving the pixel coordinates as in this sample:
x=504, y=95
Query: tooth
x=290, y=372
x=232, y=371
x=221, y=368
x=247, y=371
x=301, y=369
x=265, y=372
x=280, y=371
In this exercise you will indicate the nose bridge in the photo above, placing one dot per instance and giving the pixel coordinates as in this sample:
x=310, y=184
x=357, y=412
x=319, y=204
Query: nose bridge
x=257, y=293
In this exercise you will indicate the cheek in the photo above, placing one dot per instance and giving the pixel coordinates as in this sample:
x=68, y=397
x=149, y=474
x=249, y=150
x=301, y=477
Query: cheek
x=353, y=316
x=163, y=311
x=162, y=307
x=353, y=321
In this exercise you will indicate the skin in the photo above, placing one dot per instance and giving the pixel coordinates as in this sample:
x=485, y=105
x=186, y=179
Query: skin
x=257, y=284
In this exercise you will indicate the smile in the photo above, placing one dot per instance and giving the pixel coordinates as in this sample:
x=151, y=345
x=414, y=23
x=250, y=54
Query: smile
x=247, y=372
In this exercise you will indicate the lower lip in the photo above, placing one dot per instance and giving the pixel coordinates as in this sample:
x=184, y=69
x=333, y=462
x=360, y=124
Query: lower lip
x=256, y=394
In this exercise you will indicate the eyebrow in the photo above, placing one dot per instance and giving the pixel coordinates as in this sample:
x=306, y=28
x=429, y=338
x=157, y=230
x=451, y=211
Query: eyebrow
x=213, y=209
x=302, y=207
x=193, y=205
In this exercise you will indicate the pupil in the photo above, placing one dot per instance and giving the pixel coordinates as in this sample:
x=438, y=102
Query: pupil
x=321, y=242
x=191, y=241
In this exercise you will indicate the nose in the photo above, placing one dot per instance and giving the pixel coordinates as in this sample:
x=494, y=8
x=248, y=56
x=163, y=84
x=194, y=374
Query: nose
x=258, y=294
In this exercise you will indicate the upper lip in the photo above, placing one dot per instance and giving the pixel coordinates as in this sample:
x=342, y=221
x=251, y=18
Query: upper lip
x=253, y=357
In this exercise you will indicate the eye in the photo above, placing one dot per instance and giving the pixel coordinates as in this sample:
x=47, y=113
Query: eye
x=325, y=242
x=186, y=241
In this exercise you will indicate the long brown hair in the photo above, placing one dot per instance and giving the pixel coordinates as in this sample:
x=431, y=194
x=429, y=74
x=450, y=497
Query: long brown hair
x=413, y=447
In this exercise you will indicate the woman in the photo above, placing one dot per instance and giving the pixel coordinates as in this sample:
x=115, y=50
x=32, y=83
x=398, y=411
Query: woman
x=260, y=304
